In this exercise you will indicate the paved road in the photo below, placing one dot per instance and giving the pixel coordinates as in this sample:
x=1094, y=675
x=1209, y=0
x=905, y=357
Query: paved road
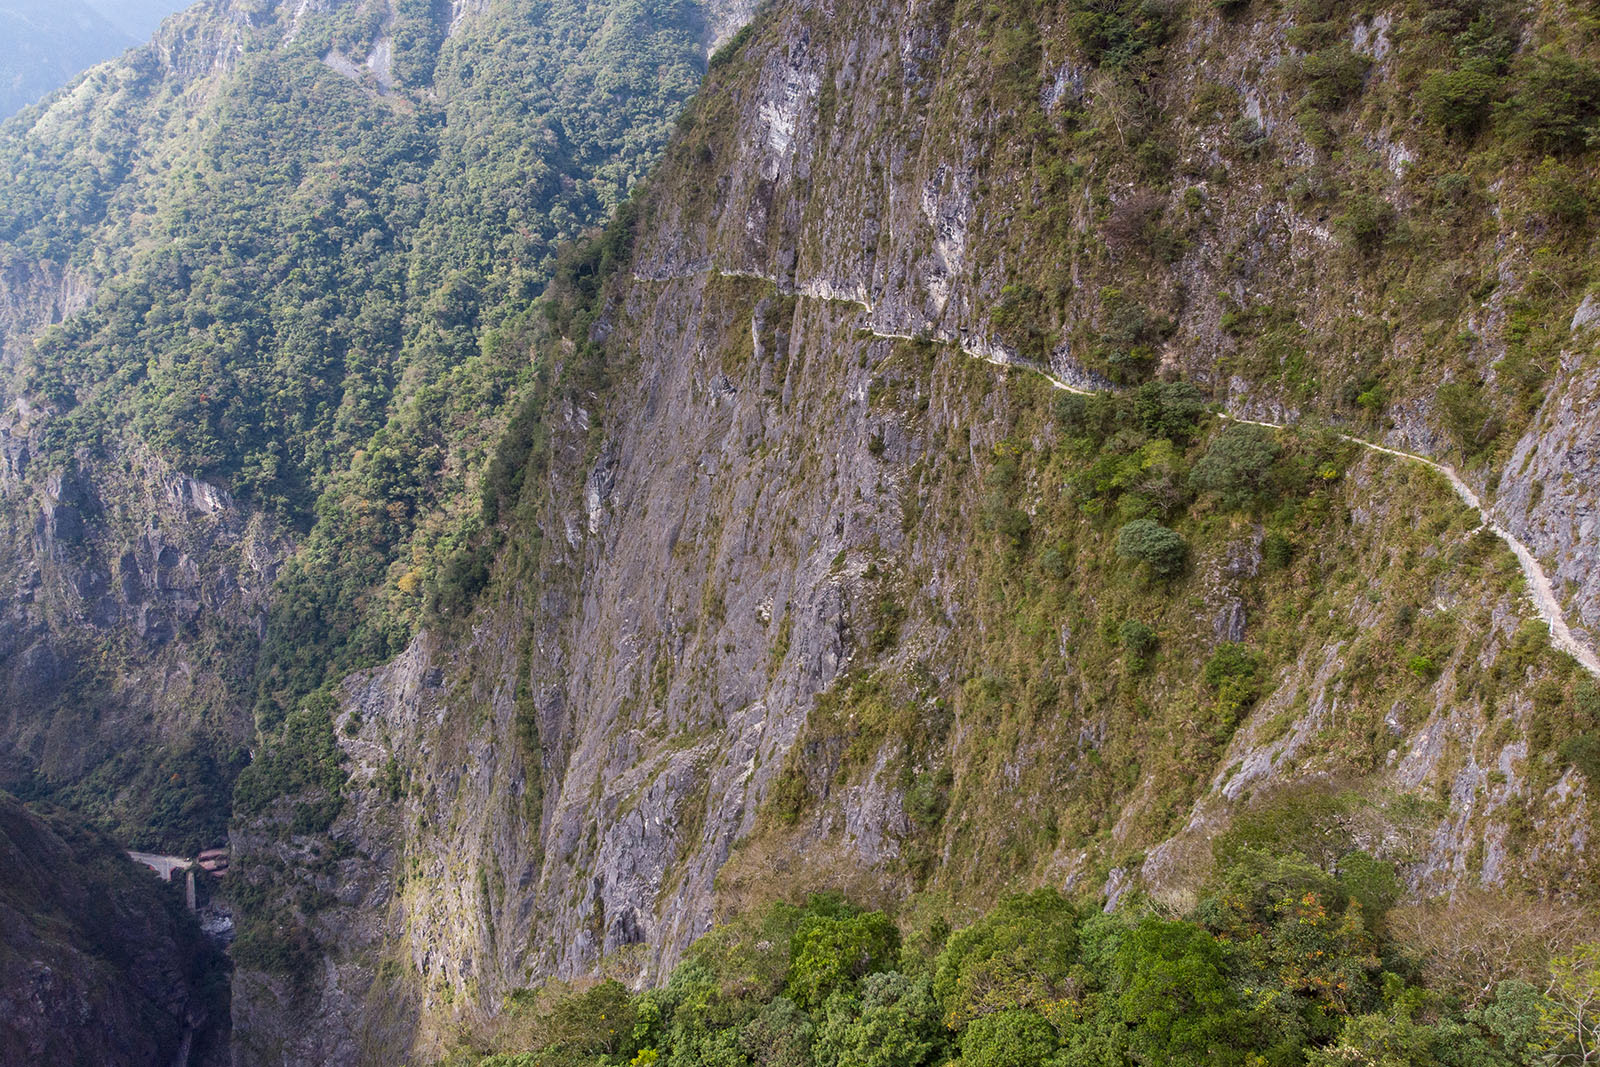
x=162, y=865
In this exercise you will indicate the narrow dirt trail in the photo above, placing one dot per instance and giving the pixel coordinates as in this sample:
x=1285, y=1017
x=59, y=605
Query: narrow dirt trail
x=1540, y=589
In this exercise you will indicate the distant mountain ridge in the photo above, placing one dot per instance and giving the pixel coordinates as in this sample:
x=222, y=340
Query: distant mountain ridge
x=49, y=44
x=136, y=18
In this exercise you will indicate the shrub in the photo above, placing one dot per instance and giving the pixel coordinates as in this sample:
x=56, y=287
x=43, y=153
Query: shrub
x=1147, y=541
x=1129, y=335
x=1247, y=136
x=1475, y=940
x=1372, y=882
x=463, y=576
x=1234, y=672
x=1017, y=318
x=1168, y=409
x=1583, y=752
x=1556, y=104
x=1423, y=667
x=928, y=797
x=1557, y=196
x=301, y=757
x=1308, y=823
x=1458, y=101
x=591, y=1022
x=1132, y=221
x=1277, y=550
x=1011, y=523
x=1331, y=77
x=1467, y=416
x=1365, y=223
x=1171, y=410
x=1138, y=641
x=1119, y=33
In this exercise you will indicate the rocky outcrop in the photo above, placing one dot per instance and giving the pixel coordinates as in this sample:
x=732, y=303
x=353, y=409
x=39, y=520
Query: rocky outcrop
x=119, y=571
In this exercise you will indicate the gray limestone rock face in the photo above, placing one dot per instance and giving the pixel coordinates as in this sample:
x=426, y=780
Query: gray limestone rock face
x=1546, y=494
x=122, y=553
x=602, y=740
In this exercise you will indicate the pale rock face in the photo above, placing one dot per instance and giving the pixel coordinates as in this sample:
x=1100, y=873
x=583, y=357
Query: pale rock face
x=793, y=95
x=1546, y=494
x=461, y=10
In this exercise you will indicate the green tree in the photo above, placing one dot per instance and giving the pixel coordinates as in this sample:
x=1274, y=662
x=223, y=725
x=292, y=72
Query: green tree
x=1458, y=101
x=829, y=952
x=1016, y=956
x=894, y=1022
x=1515, y=1018
x=1556, y=104
x=780, y=1035
x=1174, y=996
x=1571, y=1023
x=1237, y=465
x=1168, y=409
x=1011, y=1038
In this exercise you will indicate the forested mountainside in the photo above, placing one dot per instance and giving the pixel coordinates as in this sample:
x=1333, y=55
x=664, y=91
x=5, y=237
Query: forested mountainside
x=264, y=286
x=999, y=446
x=99, y=962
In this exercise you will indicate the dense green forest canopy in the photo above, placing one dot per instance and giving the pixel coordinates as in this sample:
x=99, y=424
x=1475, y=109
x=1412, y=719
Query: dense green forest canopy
x=1281, y=962
x=314, y=292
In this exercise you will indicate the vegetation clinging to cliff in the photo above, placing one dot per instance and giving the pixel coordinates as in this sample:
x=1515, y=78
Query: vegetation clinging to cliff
x=1282, y=963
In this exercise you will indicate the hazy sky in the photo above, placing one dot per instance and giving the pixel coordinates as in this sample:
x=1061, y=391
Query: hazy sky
x=137, y=18
x=44, y=44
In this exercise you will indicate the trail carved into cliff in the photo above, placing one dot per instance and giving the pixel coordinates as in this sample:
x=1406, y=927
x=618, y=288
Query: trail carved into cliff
x=1540, y=589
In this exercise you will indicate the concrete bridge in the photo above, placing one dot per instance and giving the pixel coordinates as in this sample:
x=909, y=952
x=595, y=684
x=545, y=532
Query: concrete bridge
x=166, y=867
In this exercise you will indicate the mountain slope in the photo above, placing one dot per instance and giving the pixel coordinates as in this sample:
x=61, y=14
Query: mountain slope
x=791, y=592
x=99, y=963
x=262, y=310
x=757, y=556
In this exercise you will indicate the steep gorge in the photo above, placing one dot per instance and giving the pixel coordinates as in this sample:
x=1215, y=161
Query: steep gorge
x=792, y=593
x=992, y=449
